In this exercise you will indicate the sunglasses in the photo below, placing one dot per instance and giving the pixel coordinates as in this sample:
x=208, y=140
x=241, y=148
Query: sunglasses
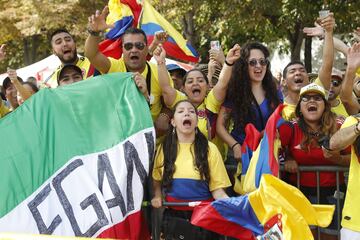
x=262, y=62
x=335, y=83
x=129, y=45
x=316, y=98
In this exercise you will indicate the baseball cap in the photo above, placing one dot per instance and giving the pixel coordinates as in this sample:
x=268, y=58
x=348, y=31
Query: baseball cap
x=68, y=66
x=312, y=87
x=173, y=67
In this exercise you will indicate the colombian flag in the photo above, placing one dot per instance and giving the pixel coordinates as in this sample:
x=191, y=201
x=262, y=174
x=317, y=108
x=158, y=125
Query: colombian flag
x=263, y=160
x=176, y=46
x=129, y=13
x=251, y=215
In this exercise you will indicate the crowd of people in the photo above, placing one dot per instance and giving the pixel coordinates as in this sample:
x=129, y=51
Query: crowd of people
x=200, y=115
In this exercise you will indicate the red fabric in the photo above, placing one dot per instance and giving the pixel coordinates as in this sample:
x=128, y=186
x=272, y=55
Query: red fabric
x=134, y=227
x=217, y=223
x=292, y=137
x=184, y=208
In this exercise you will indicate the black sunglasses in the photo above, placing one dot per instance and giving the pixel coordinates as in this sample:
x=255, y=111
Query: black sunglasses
x=262, y=62
x=316, y=98
x=129, y=45
x=335, y=83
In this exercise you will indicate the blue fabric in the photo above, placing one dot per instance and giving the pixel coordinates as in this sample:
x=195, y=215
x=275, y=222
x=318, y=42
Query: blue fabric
x=189, y=189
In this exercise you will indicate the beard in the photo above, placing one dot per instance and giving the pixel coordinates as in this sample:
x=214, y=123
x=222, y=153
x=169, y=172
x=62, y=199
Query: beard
x=71, y=60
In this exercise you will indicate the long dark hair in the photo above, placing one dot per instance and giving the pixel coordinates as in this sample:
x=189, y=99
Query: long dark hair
x=239, y=91
x=170, y=151
x=327, y=123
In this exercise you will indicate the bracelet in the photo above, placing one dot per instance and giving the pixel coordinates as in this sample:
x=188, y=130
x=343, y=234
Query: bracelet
x=357, y=131
x=161, y=63
x=232, y=147
x=94, y=33
x=229, y=64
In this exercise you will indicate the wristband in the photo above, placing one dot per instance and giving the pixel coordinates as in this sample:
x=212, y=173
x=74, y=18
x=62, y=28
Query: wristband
x=160, y=62
x=229, y=64
x=94, y=33
x=232, y=147
x=357, y=131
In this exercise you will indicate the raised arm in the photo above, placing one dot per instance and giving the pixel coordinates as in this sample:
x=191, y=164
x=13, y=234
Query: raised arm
x=2, y=52
x=327, y=24
x=346, y=95
x=221, y=86
x=168, y=92
x=344, y=137
x=97, y=24
x=23, y=92
x=159, y=38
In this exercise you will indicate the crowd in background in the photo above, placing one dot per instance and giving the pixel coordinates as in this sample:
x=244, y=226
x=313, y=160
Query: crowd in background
x=200, y=115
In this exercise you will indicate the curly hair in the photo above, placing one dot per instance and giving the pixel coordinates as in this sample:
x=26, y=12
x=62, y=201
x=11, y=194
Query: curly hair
x=327, y=123
x=170, y=150
x=239, y=91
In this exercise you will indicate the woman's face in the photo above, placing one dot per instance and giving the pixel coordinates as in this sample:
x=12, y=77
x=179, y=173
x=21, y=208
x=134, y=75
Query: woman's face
x=312, y=107
x=257, y=65
x=195, y=87
x=185, y=118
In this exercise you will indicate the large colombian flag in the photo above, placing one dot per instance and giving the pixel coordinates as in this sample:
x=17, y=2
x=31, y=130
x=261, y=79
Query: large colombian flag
x=273, y=203
x=259, y=154
x=131, y=13
x=74, y=161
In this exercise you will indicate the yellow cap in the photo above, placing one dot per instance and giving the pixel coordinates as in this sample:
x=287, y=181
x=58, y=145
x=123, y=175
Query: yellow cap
x=312, y=87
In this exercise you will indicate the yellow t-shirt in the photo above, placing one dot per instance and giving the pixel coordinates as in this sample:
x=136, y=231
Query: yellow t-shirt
x=358, y=72
x=3, y=109
x=187, y=183
x=118, y=65
x=83, y=63
x=288, y=112
x=351, y=210
x=210, y=103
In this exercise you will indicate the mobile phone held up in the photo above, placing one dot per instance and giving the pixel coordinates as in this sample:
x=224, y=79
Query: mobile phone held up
x=215, y=45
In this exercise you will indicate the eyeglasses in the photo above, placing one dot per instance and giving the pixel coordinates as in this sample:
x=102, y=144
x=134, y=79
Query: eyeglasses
x=262, y=62
x=129, y=45
x=335, y=83
x=317, y=98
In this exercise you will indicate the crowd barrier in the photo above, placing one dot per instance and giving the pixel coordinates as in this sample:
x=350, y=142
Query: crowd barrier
x=156, y=215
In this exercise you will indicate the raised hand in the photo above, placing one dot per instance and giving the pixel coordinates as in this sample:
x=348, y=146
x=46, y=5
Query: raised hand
x=314, y=31
x=353, y=56
x=97, y=21
x=12, y=74
x=2, y=52
x=159, y=54
x=233, y=54
x=357, y=34
x=160, y=37
x=327, y=23
x=217, y=55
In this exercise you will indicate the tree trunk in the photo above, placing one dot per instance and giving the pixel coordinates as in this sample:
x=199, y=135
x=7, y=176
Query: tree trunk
x=31, y=45
x=295, y=40
x=308, y=54
x=189, y=27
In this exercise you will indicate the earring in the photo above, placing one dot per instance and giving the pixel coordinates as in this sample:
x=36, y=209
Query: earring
x=196, y=131
x=173, y=131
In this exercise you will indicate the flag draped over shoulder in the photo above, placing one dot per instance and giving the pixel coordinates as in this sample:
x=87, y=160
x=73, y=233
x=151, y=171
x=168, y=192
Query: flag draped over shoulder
x=263, y=160
x=75, y=159
x=129, y=13
x=245, y=217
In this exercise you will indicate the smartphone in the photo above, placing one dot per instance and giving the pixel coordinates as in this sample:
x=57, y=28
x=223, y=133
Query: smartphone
x=215, y=45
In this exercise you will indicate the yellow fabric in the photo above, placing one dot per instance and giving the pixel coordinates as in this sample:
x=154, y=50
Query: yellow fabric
x=118, y=65
x=83, y=63
x=184, y=166
x=288, y=113
x=3, y=109
x=352, y=207
x=358, y=72
x=277, y=197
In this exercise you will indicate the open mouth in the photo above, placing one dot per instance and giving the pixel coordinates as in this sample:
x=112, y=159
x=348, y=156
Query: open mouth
x=67, y=52
x=312, y=109
x=134, y=57
x=196, y=91
x=187, y=123
x=298, y=80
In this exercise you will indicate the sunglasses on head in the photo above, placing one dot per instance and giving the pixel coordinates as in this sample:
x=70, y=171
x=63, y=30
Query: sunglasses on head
x=335, y=83
x=307, y=98
x=254, y=62
x=129, y=45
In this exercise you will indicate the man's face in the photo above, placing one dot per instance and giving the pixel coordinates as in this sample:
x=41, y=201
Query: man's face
x=296, y=78
x=177, y=78
x=335, y=87
x=64, y=47
x=69, y=76
x=134, y=52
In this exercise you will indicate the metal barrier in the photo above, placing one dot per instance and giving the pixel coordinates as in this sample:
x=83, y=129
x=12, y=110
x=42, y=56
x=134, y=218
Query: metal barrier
x=157, y=213
x=318, y=170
